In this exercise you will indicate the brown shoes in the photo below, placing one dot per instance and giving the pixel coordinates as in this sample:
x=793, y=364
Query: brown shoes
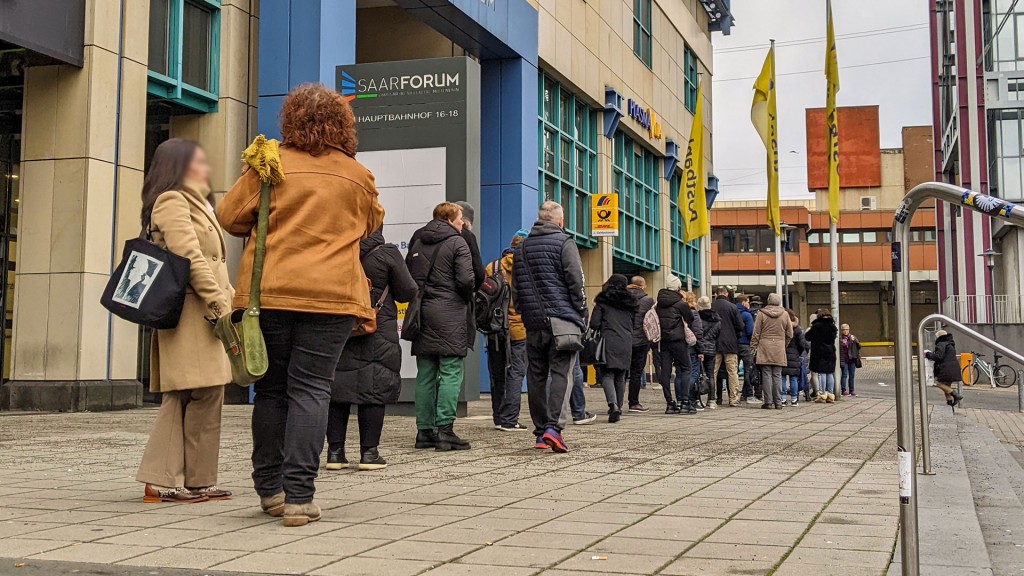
x=154, y=494
x=273, y=505
x=301, y=514
x=212, y=493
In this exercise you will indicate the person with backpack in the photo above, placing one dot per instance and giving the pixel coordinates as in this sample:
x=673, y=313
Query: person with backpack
x=441, y=263
x=675, y=317
x=614, y=312
x=822, y=338
x=708, y=346
x=792, y=372
x=369, y=371
x=497, y=319
x=646, y=329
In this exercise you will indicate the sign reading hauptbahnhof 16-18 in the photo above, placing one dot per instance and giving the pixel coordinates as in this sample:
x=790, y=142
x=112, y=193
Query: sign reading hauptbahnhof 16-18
x=604, y=214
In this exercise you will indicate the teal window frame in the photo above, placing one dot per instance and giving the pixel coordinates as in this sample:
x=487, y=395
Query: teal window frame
x=685, y=256
x=691, y=78
x=567, y=156
x=635, y=178
x=642, y=36
x=170, y=87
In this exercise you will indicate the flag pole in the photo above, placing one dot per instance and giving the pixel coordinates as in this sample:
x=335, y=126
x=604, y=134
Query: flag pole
x=778, y=238
x=833, y=235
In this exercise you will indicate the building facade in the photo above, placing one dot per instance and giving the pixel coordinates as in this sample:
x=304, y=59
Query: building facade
x=551, y=99
x=743, y=248
x=977, y=67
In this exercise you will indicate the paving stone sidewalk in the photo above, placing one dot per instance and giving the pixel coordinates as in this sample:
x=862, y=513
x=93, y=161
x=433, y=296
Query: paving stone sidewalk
x=800, y=491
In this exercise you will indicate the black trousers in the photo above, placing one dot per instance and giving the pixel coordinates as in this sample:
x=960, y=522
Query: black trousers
x=289, y=414
x=506, y=364
x=549, y=403
x=675, y=352
x=751, y=379
x=371, y=422
x=709, y=370
x=636, y=372
x=614, y=383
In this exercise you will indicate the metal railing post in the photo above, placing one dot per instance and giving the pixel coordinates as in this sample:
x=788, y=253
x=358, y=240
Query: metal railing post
x=993, y=207
x=922, y=387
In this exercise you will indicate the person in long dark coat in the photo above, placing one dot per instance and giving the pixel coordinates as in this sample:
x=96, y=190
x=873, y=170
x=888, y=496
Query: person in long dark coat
x=709, y=346
x=369, y=372
x=442, y=264
x=613, y=315
x=822, y=338
x=675, y=315
x=947, y=366
x=791, y=372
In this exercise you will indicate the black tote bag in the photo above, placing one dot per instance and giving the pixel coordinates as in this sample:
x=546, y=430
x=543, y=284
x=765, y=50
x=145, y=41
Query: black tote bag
x=148, y=286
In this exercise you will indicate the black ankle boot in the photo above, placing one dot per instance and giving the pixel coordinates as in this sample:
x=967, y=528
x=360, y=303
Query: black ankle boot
x=447, y=440
x=671, y=408
x=370, y=459
x=614, y=413
x=336, y=459
x=426, y=439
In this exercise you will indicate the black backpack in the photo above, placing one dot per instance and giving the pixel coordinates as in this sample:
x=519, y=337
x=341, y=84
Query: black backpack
x=491, y=302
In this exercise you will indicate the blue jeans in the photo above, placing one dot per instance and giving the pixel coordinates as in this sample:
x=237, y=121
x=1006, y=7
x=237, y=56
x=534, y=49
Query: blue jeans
x=577, y=401
x=791, y=386
x=827, y=383
x=849, y=370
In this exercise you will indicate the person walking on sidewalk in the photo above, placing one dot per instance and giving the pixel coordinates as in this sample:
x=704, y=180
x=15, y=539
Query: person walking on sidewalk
x=822, y=338
x=773, y=331
x=187, y=363
x=641, y=344
x=791, y=374
x=506, y=349
x=442, y=264
x=728, y=349
x=849, y=359
x=675, y=316
x=314, y=290
x=614, y=312
x=369, y=371
x=947, y=366
x=547, y=282
x=707, y=346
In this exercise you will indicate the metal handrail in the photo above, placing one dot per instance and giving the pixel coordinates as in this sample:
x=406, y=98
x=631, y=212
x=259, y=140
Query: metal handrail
x=968, y=200
x=926, y=446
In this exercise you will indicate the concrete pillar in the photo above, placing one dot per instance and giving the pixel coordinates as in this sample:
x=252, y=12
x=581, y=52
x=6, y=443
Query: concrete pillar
x=81, y=166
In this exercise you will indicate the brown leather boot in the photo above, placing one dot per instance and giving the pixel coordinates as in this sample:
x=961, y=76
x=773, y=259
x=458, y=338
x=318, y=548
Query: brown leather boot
x=301, y=514
x=154, y=494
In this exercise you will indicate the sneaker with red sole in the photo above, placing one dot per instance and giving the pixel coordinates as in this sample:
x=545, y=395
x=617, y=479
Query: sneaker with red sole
x=540, y=445
x=553, y=439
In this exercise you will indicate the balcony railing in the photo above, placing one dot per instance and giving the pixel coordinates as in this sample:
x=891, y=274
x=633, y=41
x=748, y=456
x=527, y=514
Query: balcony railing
x=983, y=309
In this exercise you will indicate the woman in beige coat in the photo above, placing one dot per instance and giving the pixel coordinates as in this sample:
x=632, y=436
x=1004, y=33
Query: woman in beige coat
x=772, y=332
x=187, y=363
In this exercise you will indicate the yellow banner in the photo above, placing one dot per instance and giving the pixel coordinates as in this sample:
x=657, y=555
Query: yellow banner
x=604, y=214
x=692, y=201
x=765, y=119
x=831, y=116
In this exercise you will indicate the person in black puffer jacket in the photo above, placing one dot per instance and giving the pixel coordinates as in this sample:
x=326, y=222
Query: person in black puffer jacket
x=445, y=325
x=614, y=309
x=822, y=337
x=641, y=344
x=947, y=366
x=369, y=371
x=709, y=346
x=791, y=372
x=674, y=314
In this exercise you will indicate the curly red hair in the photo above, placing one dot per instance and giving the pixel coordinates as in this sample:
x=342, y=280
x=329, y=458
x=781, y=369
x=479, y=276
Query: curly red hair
x=314, y=118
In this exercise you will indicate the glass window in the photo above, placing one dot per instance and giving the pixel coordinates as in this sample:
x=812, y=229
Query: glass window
x=691, y=78
x=184, y=53
x=747, y=241
x=869, y=237
x=568, y=157
x=639, y=220
x=642, y=30
x=814, y=238
x=766, y=238
x=727, y=243
x=849, y=237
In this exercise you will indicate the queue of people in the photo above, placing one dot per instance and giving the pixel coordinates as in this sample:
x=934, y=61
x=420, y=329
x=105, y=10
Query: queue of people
x=334, y=345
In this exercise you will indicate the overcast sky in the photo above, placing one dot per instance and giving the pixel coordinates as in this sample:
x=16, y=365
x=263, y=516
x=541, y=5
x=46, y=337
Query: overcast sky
x=871, y=35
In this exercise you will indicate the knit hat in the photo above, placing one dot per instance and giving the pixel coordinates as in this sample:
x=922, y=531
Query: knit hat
x=468, y=212
x=674, y=284
x=703, y=303
x=941, y=333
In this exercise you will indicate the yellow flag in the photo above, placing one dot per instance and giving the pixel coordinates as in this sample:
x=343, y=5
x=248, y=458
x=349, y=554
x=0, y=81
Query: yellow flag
x=831, y=117
x=692, y=201
x=765, y=120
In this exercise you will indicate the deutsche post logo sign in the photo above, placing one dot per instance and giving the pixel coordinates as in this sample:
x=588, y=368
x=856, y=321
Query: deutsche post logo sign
x=604, y=214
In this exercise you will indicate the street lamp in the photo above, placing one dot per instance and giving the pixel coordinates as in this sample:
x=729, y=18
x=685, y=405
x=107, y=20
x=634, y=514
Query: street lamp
x=785, y=229
x=990, y=256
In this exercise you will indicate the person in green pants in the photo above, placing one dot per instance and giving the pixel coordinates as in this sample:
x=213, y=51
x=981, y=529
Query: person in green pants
x=441, y=263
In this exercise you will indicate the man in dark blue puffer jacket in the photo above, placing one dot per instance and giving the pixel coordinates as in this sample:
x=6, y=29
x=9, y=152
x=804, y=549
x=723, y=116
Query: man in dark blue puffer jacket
x=547, y=281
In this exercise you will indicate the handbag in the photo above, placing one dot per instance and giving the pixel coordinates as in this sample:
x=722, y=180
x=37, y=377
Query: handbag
x=568, y=335
x=691, y=338
x=240, y=330
x=593, y=353
x=413, y=314
x=367, y=327
x=148, y=286
x=703, y=382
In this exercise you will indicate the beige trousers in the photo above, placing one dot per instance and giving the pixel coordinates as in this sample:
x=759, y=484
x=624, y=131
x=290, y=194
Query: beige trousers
x=184, y=446
x=732, y=370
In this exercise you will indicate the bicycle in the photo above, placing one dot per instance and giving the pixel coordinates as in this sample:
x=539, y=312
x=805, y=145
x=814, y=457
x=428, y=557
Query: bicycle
x=1000, y=375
